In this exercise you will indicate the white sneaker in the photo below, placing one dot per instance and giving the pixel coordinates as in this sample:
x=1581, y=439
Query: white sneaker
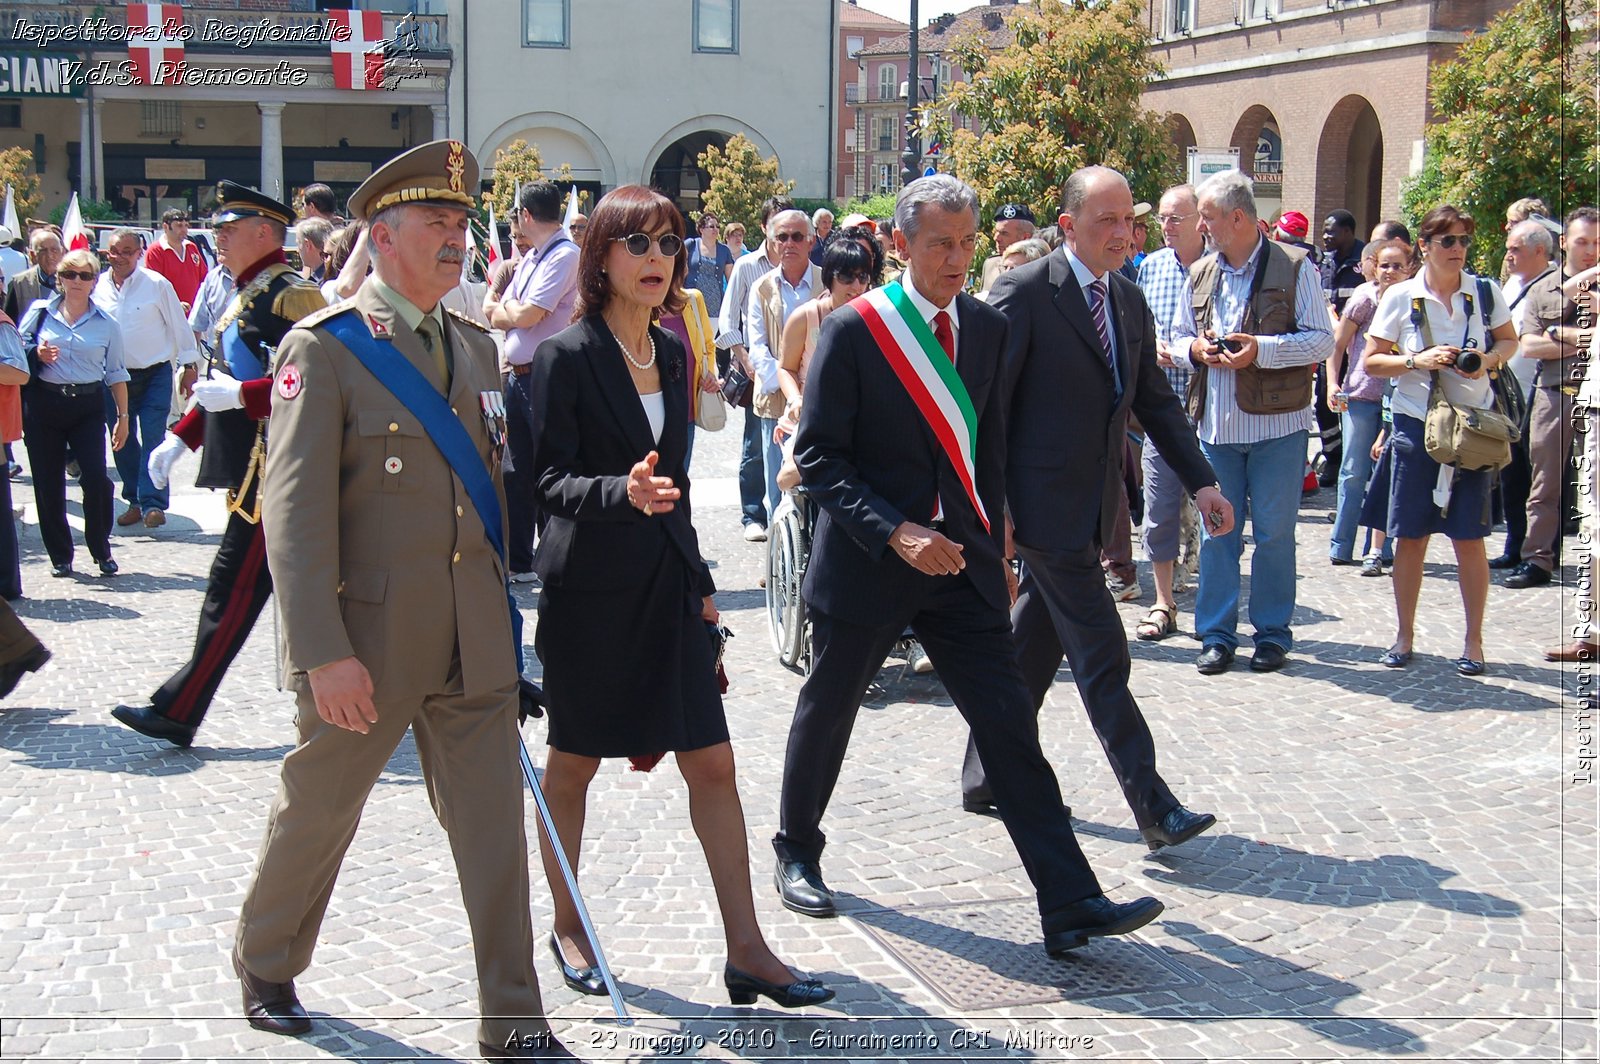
x=524, y=578
x=918, y=659
x=754, y=533
x=1122, y=590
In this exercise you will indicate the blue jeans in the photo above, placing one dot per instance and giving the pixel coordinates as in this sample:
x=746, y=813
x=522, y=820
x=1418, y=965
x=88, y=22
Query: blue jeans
x=1261, y=479
x=1360, y=426
x=149, y=400
x=772, y=461
x=752, y=465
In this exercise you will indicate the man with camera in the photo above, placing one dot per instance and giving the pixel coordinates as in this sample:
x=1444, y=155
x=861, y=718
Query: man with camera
x=1254, y=324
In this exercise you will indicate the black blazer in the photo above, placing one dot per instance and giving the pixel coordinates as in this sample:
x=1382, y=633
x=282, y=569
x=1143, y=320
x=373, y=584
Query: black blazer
x=589, y=429
x=1065, y=420
x=868, y=457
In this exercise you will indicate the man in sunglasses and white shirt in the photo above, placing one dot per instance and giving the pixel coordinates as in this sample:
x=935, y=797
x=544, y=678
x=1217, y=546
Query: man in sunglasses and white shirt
x=538, y=304
x=772, y=299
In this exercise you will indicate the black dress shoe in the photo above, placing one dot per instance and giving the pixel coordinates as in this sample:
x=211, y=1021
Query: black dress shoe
x=1505, y=561
x=146, y=721
x=583, y=980
x=802, y=890
x=271, y=1006
x=542, y=1046
x=1395, y=659
x=1073, y=926
x=108, y=567
x=1269, y=657
x=1178, y=826
x=1469, y=666
x=64, y=569
x=743, y=989
x=986, y=807
x=1528, y=575
x=12, y=674
x=1213, y=659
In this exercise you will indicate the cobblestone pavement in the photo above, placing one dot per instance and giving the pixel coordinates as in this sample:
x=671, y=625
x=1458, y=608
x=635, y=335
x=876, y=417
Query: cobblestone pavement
x=1403, y=867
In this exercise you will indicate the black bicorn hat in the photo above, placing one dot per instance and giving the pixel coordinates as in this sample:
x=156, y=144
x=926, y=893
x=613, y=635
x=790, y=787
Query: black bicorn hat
x=235, y=201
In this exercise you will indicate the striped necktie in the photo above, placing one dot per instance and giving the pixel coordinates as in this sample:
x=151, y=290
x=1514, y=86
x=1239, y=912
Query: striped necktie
x=1102, y=325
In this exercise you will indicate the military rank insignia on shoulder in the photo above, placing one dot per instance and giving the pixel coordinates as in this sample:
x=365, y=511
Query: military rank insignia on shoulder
x=298, y=299
x=324, y=313
x=463, y=319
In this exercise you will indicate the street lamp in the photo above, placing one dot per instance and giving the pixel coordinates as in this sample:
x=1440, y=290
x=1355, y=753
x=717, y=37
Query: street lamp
x=912, y=156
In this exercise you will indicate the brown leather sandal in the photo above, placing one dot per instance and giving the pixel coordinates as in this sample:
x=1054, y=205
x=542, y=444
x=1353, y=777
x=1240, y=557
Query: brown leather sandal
x=1159, y=623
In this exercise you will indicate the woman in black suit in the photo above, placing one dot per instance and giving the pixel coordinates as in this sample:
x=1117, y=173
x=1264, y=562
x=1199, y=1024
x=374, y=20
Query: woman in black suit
x=624, y=580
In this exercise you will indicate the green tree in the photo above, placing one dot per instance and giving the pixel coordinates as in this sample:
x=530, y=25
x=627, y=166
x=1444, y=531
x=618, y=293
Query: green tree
x=1065, y=94
x=16, y=170
x=1518, y=118
x=520, y=163
x=741, y=180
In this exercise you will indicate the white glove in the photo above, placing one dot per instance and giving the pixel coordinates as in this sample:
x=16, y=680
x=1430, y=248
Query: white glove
x=219, y=394
x=163, y=458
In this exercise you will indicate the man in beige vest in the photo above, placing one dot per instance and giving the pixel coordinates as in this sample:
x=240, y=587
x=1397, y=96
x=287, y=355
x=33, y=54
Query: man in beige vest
x=394, y=610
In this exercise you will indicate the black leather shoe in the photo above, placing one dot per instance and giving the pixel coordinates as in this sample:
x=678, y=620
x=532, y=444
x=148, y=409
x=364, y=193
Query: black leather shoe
x=1213, y=659
x=986, y=807
x=802, y=890
x=1469, y=667
x=271, y=1006
x=12, y=674
x=583, y=980
x=1178, y=826
x=61, y=570
x=1073, y=926
x=1395, y=659
x=146, y=721
x=743, y=989
x=1528, y=575
x=1269, y=657
x=1505, y=561
x=108, y=567
x=542, y=1046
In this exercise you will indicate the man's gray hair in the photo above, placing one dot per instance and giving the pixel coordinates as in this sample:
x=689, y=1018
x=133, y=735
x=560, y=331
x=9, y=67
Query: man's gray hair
x=941, y=190
x=782, y=216
x=819, y=214
x=1184, y=189
x=389, y=216
x=1231, y=190
x=314, y=230
x=124, y=231
x=1535, y=235
x=1031, y=249
x=1076, y=190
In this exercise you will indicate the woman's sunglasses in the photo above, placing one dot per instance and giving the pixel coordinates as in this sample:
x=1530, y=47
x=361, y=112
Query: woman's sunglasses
x=1452, y=240
x=853, y=277
x=74, y=275
x=638, y=244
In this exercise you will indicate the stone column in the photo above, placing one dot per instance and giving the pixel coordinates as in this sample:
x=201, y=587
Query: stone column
x=441, y=120
x=97, y=136
x=272, y=149
x=85, y=150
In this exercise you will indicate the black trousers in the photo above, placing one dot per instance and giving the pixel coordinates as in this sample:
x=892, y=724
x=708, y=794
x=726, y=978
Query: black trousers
x=1329, y=428
x=969, y=642
x=10, y=554
x=1516, y=480
x=1063, y=606
x=53, y=422
x=238, y=588
x=522, y=508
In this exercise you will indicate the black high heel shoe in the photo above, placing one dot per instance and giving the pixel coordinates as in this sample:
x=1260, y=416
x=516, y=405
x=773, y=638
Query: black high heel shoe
x=743, y=989
x=583, y=980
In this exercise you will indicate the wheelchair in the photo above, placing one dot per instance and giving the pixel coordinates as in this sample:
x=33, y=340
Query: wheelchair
x=788, y=554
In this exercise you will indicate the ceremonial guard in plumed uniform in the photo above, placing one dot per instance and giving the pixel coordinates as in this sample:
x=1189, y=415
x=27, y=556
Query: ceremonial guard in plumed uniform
x=230, y=420
x=384, y=517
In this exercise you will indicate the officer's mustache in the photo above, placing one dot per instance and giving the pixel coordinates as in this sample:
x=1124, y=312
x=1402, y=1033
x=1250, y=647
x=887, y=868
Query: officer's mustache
x=449, y=254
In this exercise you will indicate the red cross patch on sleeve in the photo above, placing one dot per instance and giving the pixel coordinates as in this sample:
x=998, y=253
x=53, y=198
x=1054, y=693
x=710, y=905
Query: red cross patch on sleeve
x=289, y=382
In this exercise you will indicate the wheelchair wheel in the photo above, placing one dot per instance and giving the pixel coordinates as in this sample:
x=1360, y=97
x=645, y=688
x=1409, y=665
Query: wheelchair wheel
x=786, y=559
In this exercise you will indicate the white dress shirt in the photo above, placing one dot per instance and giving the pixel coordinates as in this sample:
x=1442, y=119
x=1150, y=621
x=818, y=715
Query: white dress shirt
x=154, y=327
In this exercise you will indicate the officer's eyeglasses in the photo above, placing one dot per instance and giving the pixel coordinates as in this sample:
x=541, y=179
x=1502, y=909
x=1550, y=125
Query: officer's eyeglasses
x=638, y=244
x=1173, y=219
x=1451, y=240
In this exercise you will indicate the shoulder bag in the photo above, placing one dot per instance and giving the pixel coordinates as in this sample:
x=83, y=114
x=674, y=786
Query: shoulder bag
x=1468, y=438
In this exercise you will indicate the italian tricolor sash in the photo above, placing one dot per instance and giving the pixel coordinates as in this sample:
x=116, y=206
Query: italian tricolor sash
x=928, y=376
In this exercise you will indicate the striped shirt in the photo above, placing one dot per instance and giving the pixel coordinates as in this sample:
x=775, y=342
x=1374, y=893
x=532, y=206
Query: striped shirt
x=1161, y=278
x=1222, y=422
x=747, y=271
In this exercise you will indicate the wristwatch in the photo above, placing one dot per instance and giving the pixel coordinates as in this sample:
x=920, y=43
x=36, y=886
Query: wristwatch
x=1411, y=362
x=1552, y=333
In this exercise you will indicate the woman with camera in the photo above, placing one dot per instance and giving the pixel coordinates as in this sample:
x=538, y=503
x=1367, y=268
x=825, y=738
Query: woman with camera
x=629, y=669
x=75, y=351
x=1430, y=332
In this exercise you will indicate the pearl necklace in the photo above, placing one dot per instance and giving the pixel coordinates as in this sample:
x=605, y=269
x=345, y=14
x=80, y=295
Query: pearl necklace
x=635, y=363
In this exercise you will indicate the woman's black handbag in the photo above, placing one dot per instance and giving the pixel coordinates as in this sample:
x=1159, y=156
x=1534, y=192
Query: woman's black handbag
x=737, y=387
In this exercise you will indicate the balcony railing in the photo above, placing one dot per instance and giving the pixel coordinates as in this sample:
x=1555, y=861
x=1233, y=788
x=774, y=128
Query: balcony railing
x=218, y=27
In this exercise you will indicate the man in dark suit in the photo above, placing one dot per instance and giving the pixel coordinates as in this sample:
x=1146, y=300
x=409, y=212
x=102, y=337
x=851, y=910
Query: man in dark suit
x=1081, y=354
x=905, y=456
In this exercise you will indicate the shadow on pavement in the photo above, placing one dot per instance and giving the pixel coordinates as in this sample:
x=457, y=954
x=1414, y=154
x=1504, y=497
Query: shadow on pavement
x=107, y=747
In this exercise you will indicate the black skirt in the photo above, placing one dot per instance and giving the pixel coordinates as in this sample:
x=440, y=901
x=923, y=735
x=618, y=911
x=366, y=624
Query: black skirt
x=629, y=673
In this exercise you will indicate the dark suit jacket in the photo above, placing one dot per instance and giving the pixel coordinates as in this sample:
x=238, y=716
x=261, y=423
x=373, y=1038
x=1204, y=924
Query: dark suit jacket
x=1066, y=422
x=588, y=431
x=868, y=457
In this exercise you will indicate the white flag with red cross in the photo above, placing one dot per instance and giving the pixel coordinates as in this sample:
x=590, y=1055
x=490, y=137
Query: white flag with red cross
x=358, y=42
x=73, y=232
x=155, y=42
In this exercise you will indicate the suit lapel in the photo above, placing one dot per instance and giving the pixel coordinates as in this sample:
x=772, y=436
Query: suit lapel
x=385, y=323
x=616, y=384
x=970, y=353
x=1070, y=302
x=674, y=400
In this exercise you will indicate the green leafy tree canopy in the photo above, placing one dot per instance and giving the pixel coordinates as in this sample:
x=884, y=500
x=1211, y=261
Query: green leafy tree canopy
x=1518, y=118
x=520, y=163
x=17, y=170
x=741, y=180
x=1067, y=93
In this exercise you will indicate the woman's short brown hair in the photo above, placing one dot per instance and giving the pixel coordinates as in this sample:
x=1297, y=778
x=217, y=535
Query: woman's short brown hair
x=1441, y=220
x=623, y=212
x=81, y=259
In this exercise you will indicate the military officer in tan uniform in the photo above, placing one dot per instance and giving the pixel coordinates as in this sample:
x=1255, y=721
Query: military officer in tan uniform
x=394, y=609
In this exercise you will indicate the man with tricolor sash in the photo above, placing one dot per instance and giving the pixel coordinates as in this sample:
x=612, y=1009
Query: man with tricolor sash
x=902, y=445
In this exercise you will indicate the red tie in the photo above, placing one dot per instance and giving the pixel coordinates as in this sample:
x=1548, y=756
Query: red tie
x=945, y=335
